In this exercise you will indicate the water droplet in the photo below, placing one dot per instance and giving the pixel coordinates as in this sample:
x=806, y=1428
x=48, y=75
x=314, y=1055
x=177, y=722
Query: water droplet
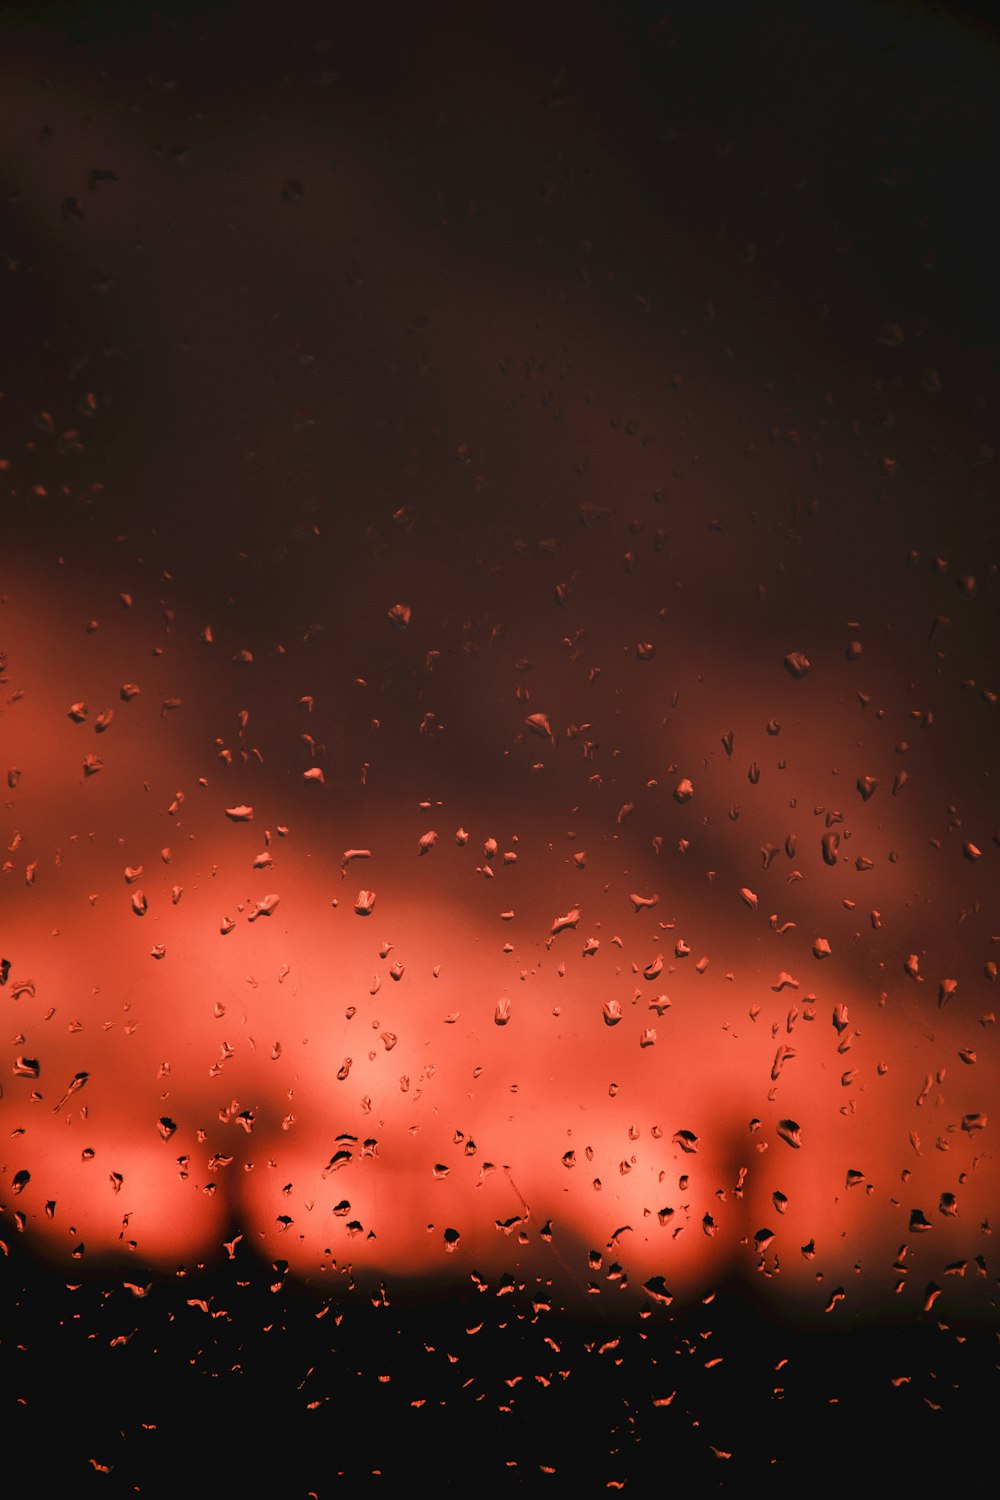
x=890, y=336
x=562, y=924
x=264, y=907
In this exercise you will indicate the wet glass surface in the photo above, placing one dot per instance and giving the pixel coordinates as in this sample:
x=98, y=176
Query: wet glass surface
x=499, y=668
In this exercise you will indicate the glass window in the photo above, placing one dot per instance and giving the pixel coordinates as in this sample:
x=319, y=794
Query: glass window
x=500, y=714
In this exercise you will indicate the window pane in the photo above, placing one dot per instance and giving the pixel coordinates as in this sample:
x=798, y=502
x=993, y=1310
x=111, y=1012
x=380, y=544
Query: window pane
x=499, y=652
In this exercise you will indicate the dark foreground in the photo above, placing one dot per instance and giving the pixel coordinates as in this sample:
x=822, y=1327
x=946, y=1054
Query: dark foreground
x=213, y=1381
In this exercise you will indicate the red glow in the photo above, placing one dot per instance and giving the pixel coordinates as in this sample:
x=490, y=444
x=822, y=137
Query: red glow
x=279, y=1030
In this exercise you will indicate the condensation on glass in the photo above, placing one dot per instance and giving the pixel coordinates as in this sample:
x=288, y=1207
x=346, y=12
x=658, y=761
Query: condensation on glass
x=499, y=704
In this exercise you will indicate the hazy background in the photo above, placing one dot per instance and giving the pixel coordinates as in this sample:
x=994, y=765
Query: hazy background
x=631, y=350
